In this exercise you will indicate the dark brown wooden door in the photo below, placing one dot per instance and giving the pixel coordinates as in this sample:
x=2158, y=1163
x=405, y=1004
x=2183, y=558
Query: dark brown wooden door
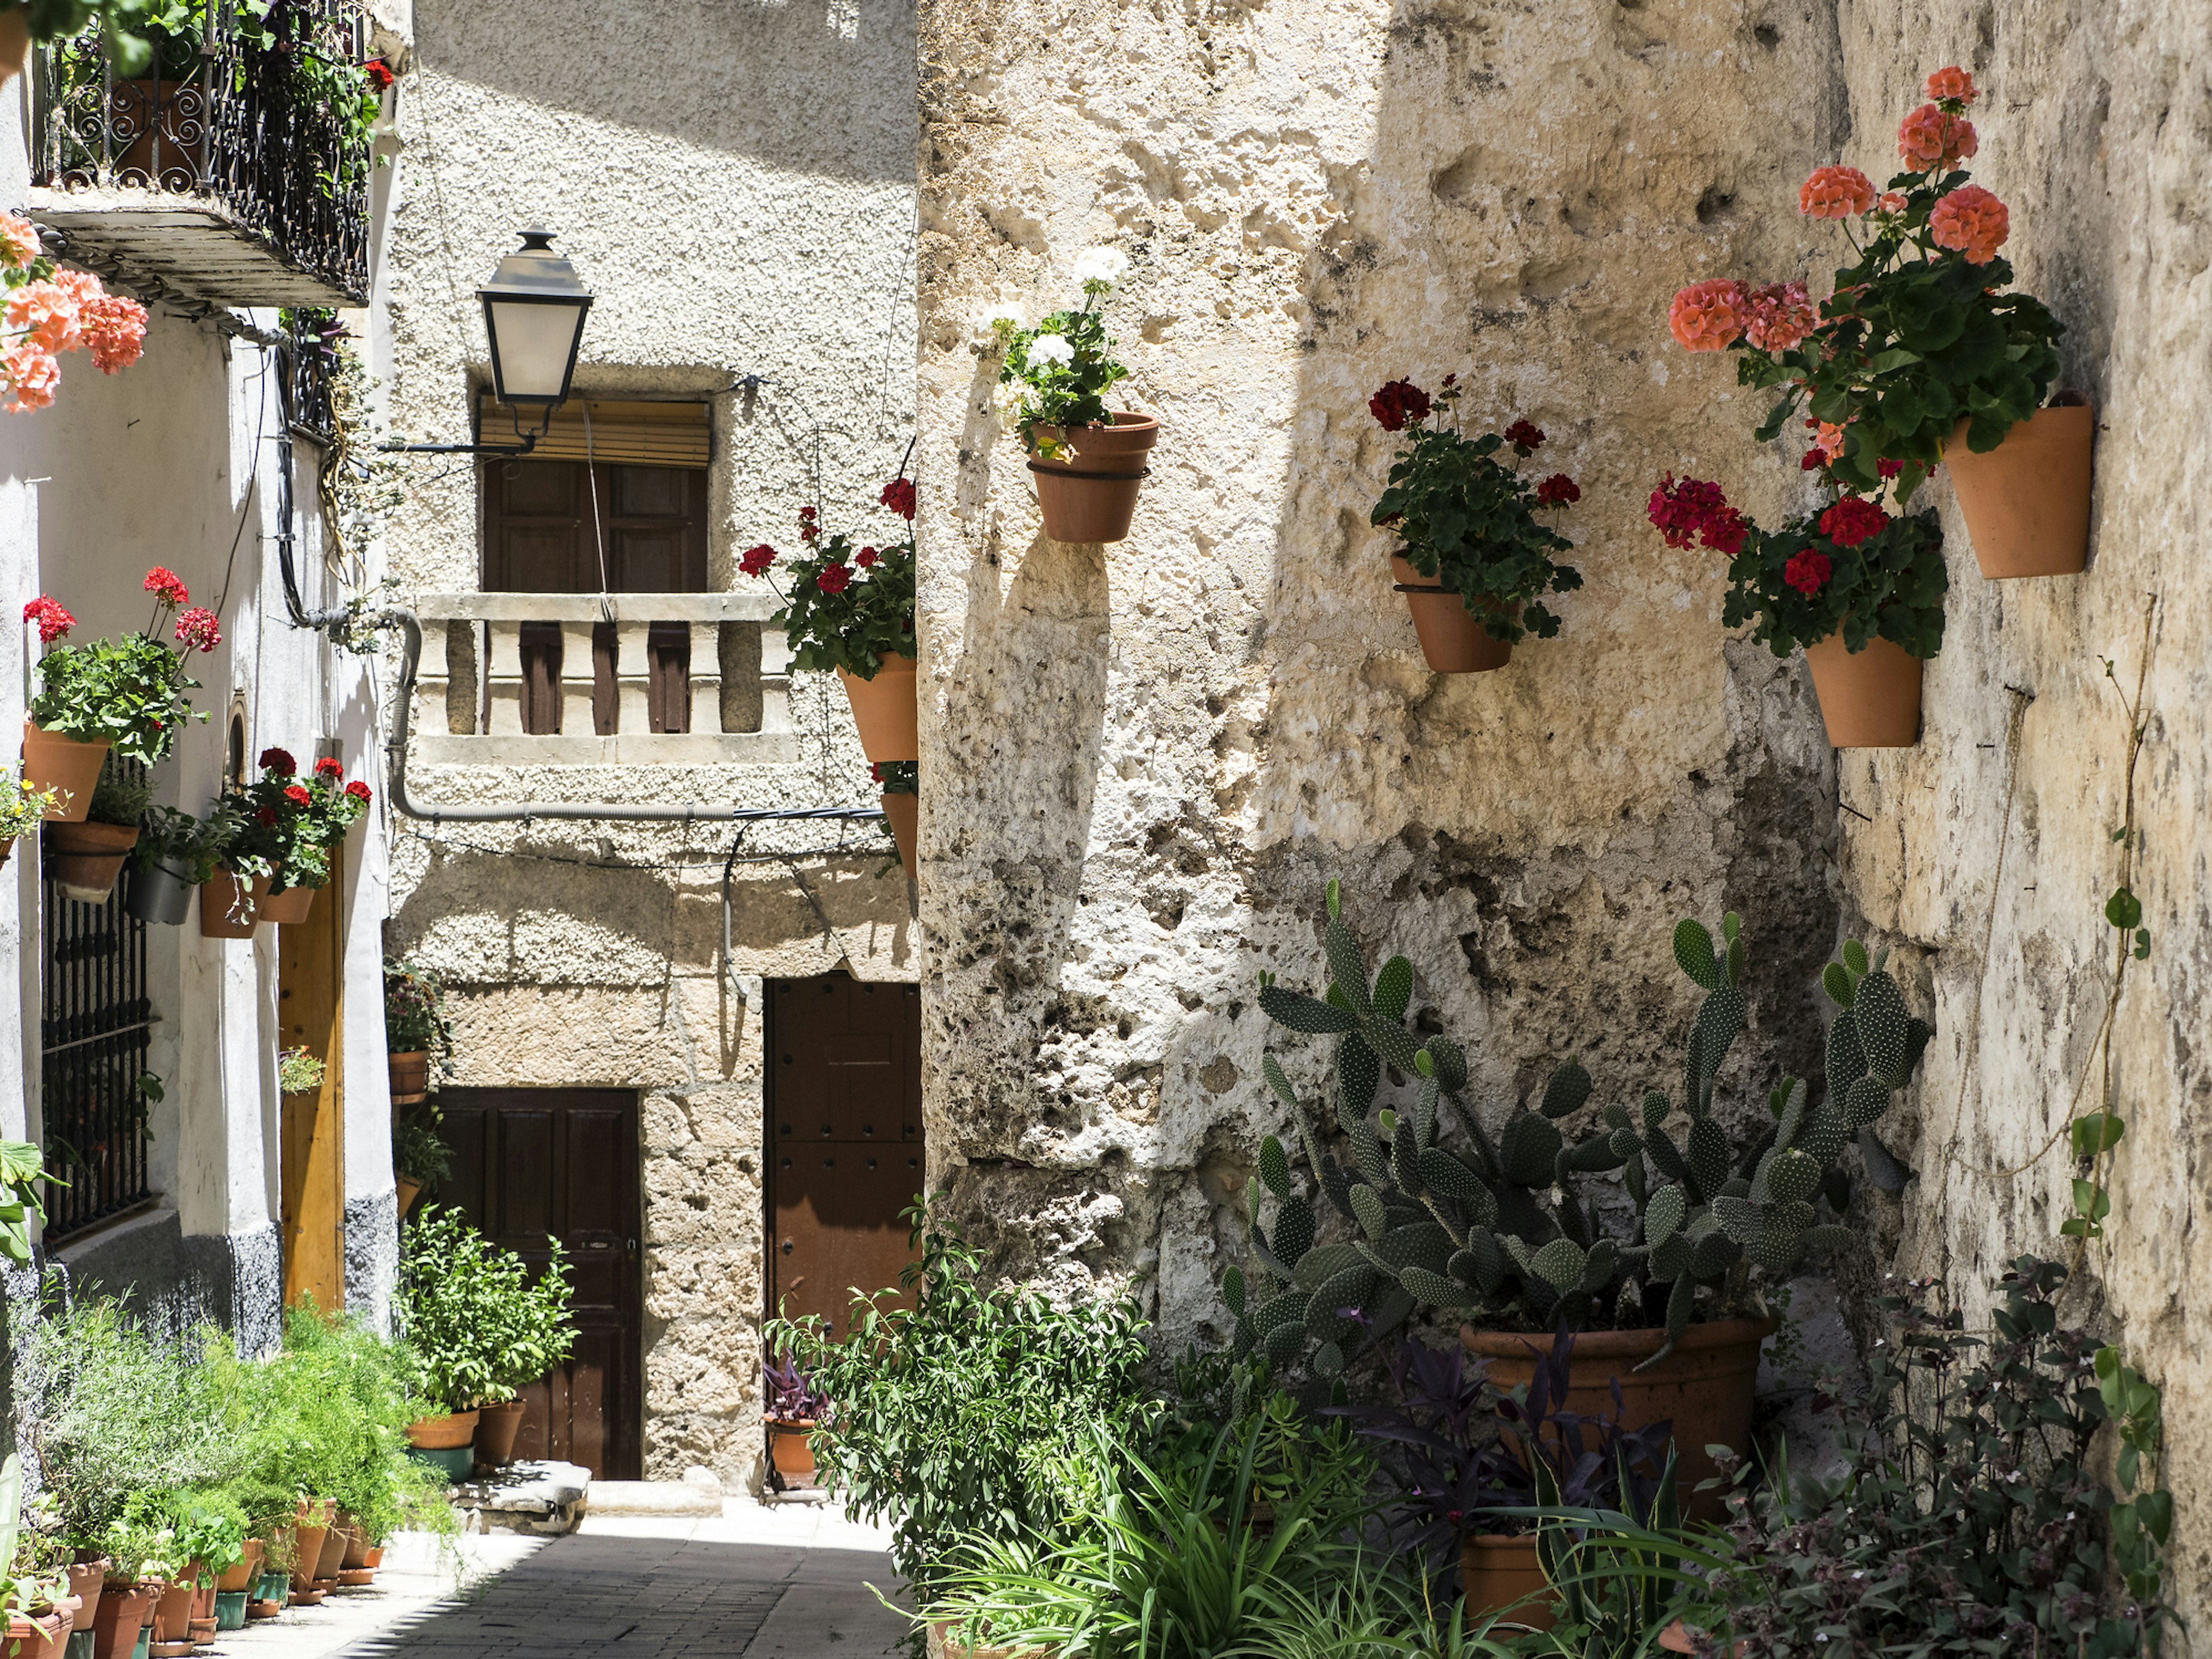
x=531, y=1163
x=845, y=1151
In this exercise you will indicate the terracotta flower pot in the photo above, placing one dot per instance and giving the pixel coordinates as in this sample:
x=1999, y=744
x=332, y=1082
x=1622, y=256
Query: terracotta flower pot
x=1091, y=495
x=1869, y=699
x=309, y=1544
x=1703, y=1388
x=51, y=761
x=1452, y=640
x=356, y=1546
x=85, y=1579
x=1502, y=1575
x=904, y=811
x=496, y=1427
x=2027, y=501
x=38, y=1638
x=231, y=908
x=288, y=907
x=172, y=1613
x=332, y=1556
x=406, y=1192
x=241, y=1573
x=157, y=893
x=89, y=857
x=410, y=1077
x=885, y=711
x=788, y=1447
x=445, y=1433
x=122, y=1614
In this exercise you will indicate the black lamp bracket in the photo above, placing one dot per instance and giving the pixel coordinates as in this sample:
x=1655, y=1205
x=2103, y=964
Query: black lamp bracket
x=524, y=441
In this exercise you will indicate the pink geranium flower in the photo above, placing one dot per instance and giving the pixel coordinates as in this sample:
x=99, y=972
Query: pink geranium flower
x=114, y=330
x=1972, y=221
x=199, y=628
x=29, y=377
x=45, y=314
x=1710, y=316
x=1952, y=86
x=19, y=241
x=1835, y=193
x=1931, y=137
x=1782, y=315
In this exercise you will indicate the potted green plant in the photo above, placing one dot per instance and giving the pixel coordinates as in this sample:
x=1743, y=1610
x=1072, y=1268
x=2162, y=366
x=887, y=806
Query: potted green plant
x=38, y=1592
x=1474, y=561
x=792, y=1408
x=1674, y=1308
x=900, y=784
x=1921, y=355
x=131, y=695
x=298, y=1072
x=418, y=1031
x=23, y=807
x=1861, y=590
x=88, y=853
x=420, y=1159
x=1089, y=461
x=292, y=824
x=176, y=854
x=851, y=609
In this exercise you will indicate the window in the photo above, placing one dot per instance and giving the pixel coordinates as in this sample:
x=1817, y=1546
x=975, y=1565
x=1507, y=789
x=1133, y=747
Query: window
x=94, y=1028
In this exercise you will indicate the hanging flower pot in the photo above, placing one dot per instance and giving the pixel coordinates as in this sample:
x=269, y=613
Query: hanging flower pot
x=229, y=908
x=89, y=857
x=288, y=907
x=1500, y=1573
x=1087, y=490
x=1452, y=640
x=406, y=1192
x=885, y=711
x=64, y=764
x=2027, y=501
x=1869, y=699
x=903, y=812
x=158, y=893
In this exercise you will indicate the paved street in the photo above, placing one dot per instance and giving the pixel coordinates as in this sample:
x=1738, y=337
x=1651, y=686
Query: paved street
x=784, y=1583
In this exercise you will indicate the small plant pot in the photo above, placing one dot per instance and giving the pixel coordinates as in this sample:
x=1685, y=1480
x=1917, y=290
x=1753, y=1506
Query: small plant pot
x=788, y=1449
x=1502, y=1575
x=243, y=1573
x=2027, y=501
x=230, y=1609
x=172, y=1613
x=356, y=1542
x=1869, y=699
x=1452, y=640
x=885, y=711
x=51, y=762
x=333, y=1555
x=123, y=1613
x=904, y=813
x=496, y=1427
x=288, y=907
x=1091, y=495
x=85, y=1580
x=454, y=1462
x=156, y=893
x=455, y=1429
x=89, y=857
x=406, y=1192
x=37, y=1639
x=410, y=1077
x=231, y=908
x=309, y=1544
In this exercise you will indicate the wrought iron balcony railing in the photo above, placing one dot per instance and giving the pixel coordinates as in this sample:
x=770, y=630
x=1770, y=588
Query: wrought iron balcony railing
x=234, y=170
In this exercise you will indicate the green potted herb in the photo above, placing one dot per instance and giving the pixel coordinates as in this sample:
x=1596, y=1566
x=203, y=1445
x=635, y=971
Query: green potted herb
x=1088, y=460
x=88, y=855
x=1474, y=561
x=176, y=854
x=851, y=608
x=23, y=807
x=418, y=1031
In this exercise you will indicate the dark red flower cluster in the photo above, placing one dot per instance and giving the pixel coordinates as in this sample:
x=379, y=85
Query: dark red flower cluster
x=809, y=528
x=1525, y=436
x=327, y=768
x=754, y=561
x=53, y=622
x=1806, y=571
x=266, y=816
x=1852, y=521
x=1558, y=490
x=358, y=790
x=166, y=587
x=1814, y=460
x=1399, y=404
x=379, y=73
x=1695, y=510
x=1888, y=469
x=834, y=578
x=865, y=558
x=198, y=628
x=898, y=496
x=278, y=760
x=298, y=795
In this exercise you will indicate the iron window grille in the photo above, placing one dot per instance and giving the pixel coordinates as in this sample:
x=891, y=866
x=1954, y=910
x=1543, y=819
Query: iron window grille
x=309, y=359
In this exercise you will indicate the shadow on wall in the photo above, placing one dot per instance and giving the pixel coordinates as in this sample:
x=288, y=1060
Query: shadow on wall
x=817, y=86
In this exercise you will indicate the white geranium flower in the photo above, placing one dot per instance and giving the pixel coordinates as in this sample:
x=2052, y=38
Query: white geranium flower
x=1103, y=265
x=1049, y=349
x=992, y=324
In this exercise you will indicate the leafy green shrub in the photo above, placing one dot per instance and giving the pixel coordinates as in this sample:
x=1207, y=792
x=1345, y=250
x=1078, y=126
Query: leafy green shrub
x=963, y=1411
x=471, y=1314
x=419, y=1153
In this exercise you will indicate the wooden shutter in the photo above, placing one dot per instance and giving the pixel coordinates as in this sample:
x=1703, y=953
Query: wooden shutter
x=641, y=433
x=540, y=534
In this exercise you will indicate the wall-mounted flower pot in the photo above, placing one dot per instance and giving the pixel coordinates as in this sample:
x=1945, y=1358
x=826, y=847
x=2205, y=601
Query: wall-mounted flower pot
x=406, y=1192
x=1703, y=1388
x=1869, y=699
x=2027, y=501
x=410, y=1077
x=51, y=761
x=1452, y=640
x=884, y=710
x=288, y=907
x=89, y=857
x=788, y=1449
x=1090, y=495
x=231, y=908
x=496, y=1427
x=157, y=893
x=904, y=812
x=1502, y=1575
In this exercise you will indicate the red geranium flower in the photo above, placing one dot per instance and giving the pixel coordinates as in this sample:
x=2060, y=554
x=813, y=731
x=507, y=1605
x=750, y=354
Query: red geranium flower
x=379, y=73
x=1558, y=490
x=1399, y=404
x=266, y=815
x=166, y=587
x=198, y=628
x=865, y=558
x=1852, y=521
x=754, y=561
x=53, y=622
x=834, y=578
x=279, y=761
x=1526, y=436
x=1807, y=572
x=298, y=795
x=1683, y=512
x=327, y=768
x=808, y=530
x=358, y=790
x=1889, y=469
x=1814, y=460
x=898, y=496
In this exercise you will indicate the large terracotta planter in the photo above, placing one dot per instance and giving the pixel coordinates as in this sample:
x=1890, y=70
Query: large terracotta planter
x=243, y=1572
x=788, y=1449
x=1452, y=640
x=38, y=1638
x=904, y=813
x=288, y=907
x=307, y=1558
x=1869, y=699
x=89, y=857
x=1504, y=1575
x=446, y=1433
x=85, y=1581
x=123, y=1614
x=1090, y=496
x=1703, y=1388
x=172, y=1613
x=2026, y=502
x=410, y=1077
x=63, y=764
x=496, y=1427
x=157, y=893
x=884, y=710
x=333, y=1555
x=231, y=908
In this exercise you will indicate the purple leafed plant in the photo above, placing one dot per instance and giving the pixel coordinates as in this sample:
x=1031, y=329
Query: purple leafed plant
x=792, y=1395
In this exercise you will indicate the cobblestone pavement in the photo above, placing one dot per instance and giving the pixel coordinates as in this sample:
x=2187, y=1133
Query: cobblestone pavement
x=782, y=1582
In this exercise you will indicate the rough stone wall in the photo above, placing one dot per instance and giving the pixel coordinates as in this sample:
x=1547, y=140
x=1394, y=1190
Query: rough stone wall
x=2097, y=132
x=1141, y=763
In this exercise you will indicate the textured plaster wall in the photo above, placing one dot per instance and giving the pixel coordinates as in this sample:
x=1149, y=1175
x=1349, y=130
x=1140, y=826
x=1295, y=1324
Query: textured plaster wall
x=735, y=183
x=2097, y=132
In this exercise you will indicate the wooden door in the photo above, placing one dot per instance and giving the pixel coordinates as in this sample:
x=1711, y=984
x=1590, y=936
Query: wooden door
x=311, y=1152
x=531, y=1163
x=845, y=1148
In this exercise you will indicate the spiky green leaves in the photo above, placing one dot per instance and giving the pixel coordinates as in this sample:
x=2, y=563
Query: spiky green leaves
x=1274, y=1167
x=1529, y=1148
x=1566, y=1091
x=1304, y=1013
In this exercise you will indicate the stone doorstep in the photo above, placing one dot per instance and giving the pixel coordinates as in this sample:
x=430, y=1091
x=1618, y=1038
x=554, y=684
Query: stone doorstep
x=539, y=1498
x=698, y=1493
